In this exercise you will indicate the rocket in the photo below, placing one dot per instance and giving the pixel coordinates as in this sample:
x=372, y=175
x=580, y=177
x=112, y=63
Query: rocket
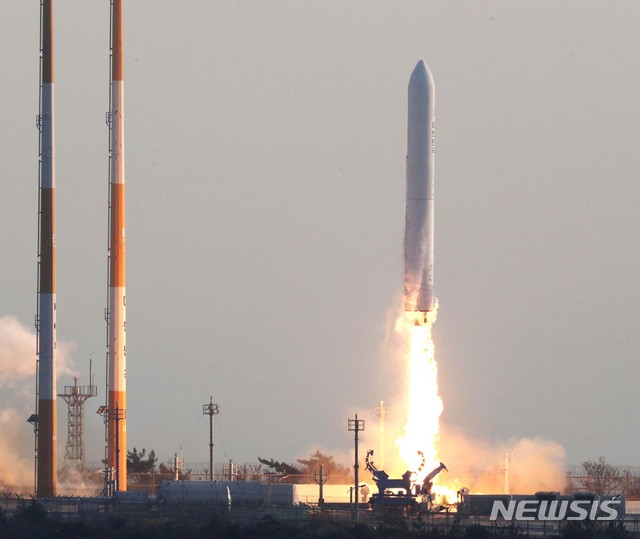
x=418, y=239
x=116, y=320
x=46, y=443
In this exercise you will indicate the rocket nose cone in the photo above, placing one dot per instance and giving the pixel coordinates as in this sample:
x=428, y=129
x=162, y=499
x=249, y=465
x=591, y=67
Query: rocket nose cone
x=421, y=75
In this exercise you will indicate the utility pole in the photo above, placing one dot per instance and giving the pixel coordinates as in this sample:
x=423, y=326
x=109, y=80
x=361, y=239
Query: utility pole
x=356, y=425
x=210, y=409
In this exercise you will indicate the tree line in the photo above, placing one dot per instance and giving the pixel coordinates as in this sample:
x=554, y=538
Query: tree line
x=602, y=478
x=302, y=471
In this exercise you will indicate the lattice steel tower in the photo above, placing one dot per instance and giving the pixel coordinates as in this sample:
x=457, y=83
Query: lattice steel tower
x=75, y=396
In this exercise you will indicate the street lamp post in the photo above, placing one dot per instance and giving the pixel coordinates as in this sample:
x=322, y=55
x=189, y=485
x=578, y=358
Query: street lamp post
x=320, y=478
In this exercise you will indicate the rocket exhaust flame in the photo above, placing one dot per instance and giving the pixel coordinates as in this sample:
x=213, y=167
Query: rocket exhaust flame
x=419, y=444
x=424, y=403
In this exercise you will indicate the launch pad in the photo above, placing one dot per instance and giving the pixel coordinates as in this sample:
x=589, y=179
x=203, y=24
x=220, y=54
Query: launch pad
x=403, y=492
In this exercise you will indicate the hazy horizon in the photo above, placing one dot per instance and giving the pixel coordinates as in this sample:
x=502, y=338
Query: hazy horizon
x=265, y=167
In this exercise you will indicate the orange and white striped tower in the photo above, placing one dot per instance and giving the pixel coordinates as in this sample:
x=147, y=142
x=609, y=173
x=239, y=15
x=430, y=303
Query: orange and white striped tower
x=46, y=443
x=116, y=320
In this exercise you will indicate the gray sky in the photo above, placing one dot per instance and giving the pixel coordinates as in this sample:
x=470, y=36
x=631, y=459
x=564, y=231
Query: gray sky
x=265, y=161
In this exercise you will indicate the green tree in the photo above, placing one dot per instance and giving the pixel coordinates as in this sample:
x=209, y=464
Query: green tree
x=137, y=463
x=336, y=472
x=280, y=467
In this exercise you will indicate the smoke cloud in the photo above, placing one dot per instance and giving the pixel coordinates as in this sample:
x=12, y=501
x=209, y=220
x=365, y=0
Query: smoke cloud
x=533, y=464
x=18, y=353
x=17, y=400
x=519, y=465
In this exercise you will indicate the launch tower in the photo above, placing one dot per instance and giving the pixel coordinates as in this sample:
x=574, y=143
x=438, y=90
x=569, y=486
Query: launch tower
x=116, y=407
x=44, y=420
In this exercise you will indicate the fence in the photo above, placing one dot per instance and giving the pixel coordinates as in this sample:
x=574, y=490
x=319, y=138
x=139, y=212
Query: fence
x=93, y=509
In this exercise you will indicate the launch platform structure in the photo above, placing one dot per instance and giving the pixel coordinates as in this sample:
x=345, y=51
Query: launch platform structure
x=75, y=396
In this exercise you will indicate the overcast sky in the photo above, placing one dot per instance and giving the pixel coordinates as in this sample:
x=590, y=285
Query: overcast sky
x=265, y=169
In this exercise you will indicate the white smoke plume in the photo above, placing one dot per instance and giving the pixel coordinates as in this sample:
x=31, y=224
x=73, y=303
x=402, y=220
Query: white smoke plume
x=18, y=352
x=17, y=399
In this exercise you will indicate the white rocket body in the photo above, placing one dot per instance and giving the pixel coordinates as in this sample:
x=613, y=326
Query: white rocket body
x=418, y=240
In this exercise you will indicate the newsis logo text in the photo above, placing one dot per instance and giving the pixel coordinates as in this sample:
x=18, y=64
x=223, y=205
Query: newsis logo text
x=556, y=510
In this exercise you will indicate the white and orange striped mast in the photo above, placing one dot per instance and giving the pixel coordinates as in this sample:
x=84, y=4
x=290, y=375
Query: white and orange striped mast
x=46, y=421
x=116, y=318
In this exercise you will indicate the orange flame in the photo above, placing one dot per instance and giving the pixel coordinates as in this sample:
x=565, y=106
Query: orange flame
x=424, y=402
x=422, y=427
x=422, y=433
